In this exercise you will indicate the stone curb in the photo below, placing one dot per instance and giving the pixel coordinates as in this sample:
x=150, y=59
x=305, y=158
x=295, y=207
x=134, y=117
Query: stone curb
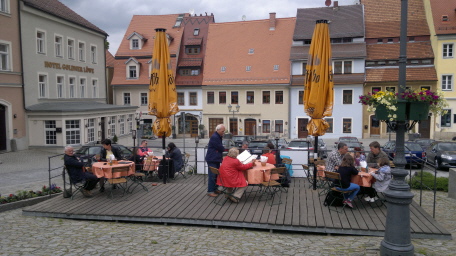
x=26, y=202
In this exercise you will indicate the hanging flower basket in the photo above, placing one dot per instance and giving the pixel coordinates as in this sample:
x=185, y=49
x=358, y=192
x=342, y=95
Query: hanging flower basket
x=381, y=112
x=418, y=111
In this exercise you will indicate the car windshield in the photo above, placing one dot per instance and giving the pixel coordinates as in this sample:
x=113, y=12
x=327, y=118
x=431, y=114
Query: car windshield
x=348, y=140
x=257, y=144
x=239, y=138
x=300, y=144
x=447, y=146
x=353, y=144
x=413, y=147
x=94, y=150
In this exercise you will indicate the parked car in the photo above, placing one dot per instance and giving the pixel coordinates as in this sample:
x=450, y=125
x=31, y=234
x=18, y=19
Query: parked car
x=442, y=154
x=352, y=145
x=300, y=144
x=90, y=150
x=256, y=146
x=414, y=154
x=227, y=144
x=424, y=143
x=347, y=140
x=239, y=139
x=282, y=142
x=322, y=150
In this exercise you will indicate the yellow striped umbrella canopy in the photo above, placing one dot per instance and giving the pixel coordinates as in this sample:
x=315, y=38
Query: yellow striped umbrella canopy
x=318, y=84
x=162, y=88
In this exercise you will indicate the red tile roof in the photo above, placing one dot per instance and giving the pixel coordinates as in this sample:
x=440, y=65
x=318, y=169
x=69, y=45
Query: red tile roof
x=228, y=46
x=190, y=62
x=109, y=59
x=415, y=50
x=194, y=41
x=383, y=18
x=56, y=8
x=392, y=74
x=441, y=8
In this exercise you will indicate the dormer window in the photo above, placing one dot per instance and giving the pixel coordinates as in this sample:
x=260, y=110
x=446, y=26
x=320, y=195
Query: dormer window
x=132, y=68
x=136, y=41
x=196, y=31
x=135, y=44
x=248, y=68
x=251, y=51
x=192, y=49
x=276, y=67
x=445, y=18
x=222, y=69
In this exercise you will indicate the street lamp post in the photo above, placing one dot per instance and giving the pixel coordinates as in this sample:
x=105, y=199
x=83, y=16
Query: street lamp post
x=138, y=124
x=230, y=109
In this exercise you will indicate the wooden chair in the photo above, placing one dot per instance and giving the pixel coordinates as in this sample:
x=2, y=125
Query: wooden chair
x=334, y=190
x=224, y=190
x=271, y=188
x=79, y=186
x=185, y=158
x=137, y=178
x=120, y=182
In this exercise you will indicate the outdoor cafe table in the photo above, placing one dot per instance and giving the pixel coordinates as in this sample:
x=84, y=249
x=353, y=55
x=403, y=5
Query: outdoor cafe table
x=151, y=163
x=103, y=169
x=364, y=179
x=259, y=173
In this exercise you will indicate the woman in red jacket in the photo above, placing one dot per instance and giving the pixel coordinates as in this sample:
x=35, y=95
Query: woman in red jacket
x=232, y=175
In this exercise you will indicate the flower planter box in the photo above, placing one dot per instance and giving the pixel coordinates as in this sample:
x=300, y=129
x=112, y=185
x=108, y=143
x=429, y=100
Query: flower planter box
x=418, y=111
x=381, y=112
x=26, y=202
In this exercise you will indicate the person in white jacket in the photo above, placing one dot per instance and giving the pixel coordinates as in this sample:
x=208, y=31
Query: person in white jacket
x=383, y=178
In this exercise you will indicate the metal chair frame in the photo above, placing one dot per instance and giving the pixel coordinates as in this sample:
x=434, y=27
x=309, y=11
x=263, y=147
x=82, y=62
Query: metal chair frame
x=224, y=190
x=335, y=176
x=271, y=188
x=79, y=186
x=117, y=182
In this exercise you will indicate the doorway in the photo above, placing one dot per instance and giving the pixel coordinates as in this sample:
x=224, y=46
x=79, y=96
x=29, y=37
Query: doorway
x=425, y=128
x=374, y=126
x=2, y=127
x=302, y=128
x=250, y=125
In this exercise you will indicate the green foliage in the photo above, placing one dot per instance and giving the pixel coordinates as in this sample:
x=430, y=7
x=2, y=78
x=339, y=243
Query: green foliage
x=115, y=139
x=23, y=194
x=428, y=182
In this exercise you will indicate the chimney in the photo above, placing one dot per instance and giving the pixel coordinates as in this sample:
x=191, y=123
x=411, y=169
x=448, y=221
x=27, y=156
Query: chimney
x=272, y=20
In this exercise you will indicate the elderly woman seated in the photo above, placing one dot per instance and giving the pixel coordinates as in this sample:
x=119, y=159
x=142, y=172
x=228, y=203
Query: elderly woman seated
x=232, y=175
x=267, y=152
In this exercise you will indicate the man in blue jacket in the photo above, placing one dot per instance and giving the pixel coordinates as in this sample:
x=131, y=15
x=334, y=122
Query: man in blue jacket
x=214, y=158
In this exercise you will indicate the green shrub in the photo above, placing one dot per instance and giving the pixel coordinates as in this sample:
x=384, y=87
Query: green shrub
x=428, y=182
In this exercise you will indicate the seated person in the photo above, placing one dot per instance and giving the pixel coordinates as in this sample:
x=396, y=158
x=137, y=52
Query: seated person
x=76, y=171
x=383, y=178
x=375, y=154
x=175, y=154
x=109, y=150
x=267, y=152
x=143, y=150
x=245, y=146
x=359, y=156
x=346, y=170
x=335, y=157
x=232, y=174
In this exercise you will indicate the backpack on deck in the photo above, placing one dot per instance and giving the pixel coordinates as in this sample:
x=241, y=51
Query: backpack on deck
x=166, y=165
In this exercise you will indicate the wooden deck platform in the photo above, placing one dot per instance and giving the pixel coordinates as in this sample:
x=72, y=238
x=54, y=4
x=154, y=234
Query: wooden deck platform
x=184, y=201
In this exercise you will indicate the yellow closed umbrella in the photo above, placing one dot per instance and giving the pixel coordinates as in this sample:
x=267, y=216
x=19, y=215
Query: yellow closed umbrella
x=318, y=84
x=162, y=89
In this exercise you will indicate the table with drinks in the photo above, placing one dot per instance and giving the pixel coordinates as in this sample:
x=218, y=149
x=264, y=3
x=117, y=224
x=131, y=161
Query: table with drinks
x=104, y=169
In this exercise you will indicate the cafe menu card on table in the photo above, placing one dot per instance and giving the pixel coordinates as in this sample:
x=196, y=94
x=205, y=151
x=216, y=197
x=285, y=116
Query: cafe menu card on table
x=245, y=157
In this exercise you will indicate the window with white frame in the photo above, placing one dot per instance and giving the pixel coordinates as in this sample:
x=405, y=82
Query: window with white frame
x=81, y=51
x=276, y=67
x=130, y=123
x=266, y=126
x=342, y=67
x=72, y=132
x=122, y=124
x=195, y=72
x=144, y=99
x=91, y=130
x=301, y=98
x=72, y=87
x=82, y=87
x=447, y=50
x=180, y=99
x=222, y=98
x=40, y=42
x=447, y=82
x=330, y=122
x=112, y=126
x=70, y=49
x=266, y=97
x=210, y=97
x=132, y=72
x=94, y=88
x=248, y=68
x=347, y=96
x=58, y=46
x=135, y=44
x=193, y=98
x=279, y=97
x=93, y=54
x=5, y=57
x=445, y=120
x=42, y=85
x=50, y=132
x=346, y=125
x=4, y=6
x=126, y=98
x=278, y=126
x=196, y=31
x=60, y=86
x=234, y=97
x=250, y=97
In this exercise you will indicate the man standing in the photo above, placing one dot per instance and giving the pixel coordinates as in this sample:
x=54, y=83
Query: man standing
x=335, y=157
x=76, y=172
x=375, y=154
x=214, y=158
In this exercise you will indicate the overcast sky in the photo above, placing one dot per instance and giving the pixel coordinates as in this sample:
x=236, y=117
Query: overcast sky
x=113, y=16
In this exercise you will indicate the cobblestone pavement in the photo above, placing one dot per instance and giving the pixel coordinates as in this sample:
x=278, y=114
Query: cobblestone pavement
x=22, y=235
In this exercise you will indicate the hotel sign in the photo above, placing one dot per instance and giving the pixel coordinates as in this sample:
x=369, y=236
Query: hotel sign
x=55, y=65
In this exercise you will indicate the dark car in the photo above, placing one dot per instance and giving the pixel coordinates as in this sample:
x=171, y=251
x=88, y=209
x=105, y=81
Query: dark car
x=414, y=154
x=352, y=145
x=424, y=143
x=282, y=142
x=256, y=146
x=300, y=144
x=348, y=140
x=442, y=154
x=239, y=139
x=89, y=151
x=227, y=144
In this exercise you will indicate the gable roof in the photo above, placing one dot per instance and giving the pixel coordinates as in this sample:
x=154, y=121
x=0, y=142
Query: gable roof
x=109, y=59
x=346, y=21
x=56, y=8
x=383, y=18
x=228, y=46
x=136, y=34
x=440, y=8
x=145, y=25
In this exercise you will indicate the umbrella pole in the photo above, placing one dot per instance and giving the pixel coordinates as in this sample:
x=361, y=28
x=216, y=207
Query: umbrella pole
x=165, y=175
x=315, y=167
